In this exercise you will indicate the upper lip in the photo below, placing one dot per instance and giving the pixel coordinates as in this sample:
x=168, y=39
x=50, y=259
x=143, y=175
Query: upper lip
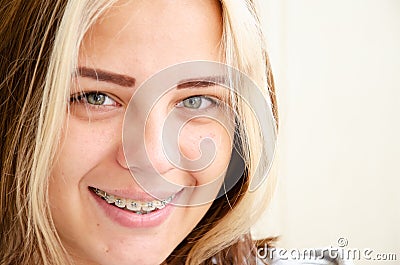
x=138, y=195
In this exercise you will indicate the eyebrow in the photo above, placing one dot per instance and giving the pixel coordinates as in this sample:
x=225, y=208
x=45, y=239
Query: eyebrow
x=201, y=82
x=105, y=76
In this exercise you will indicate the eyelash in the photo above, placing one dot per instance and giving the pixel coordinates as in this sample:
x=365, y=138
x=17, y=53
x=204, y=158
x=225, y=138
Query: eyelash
x=83, y=98
x=211, y=100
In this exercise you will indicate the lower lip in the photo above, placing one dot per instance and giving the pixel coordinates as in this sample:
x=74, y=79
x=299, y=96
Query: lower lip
x=131, y=219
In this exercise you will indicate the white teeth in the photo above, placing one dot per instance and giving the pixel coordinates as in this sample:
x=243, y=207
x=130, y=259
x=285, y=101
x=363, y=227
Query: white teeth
x=159, y=205
x=134, y=206
x=120, y=203
x=109, y=198
x=169, y=199
x=100, y=192
x=147, y=207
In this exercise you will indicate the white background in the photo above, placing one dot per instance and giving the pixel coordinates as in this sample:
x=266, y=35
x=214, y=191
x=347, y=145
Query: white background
x=337, y=70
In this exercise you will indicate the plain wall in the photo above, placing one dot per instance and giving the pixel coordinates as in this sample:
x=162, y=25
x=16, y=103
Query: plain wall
x=337, y=71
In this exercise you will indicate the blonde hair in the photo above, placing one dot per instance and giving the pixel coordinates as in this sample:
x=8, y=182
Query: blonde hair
x=36, y=73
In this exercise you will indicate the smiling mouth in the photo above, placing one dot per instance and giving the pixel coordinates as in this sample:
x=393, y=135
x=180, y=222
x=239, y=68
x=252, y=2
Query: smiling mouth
x=138, y=207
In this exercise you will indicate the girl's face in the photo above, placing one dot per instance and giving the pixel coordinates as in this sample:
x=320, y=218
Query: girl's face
x=94, y=198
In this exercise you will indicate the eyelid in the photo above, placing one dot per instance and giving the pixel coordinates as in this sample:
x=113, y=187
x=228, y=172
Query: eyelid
x=214, y=101
x=79, y=96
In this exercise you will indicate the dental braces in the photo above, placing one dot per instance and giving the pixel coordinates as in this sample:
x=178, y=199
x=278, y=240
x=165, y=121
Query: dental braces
x=131, y=205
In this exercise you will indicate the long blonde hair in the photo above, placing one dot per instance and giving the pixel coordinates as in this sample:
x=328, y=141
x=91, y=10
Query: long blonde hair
x=39, y=48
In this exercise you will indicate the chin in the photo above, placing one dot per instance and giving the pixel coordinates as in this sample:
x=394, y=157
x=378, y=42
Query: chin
x=130, y=256
x=150, y=259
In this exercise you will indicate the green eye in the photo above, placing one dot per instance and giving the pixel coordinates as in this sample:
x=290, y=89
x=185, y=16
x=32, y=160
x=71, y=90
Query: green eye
x=96, y=98
x=196, y=102
x=193, y=102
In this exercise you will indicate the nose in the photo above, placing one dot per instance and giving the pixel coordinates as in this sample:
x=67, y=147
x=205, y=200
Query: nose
x=142, y=147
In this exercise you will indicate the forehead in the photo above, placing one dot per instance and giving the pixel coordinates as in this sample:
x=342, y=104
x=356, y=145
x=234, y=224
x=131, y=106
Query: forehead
x=139, y=37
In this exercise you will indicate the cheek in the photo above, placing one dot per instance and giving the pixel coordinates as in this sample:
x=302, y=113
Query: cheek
x=83, y=146
x=192, y=145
